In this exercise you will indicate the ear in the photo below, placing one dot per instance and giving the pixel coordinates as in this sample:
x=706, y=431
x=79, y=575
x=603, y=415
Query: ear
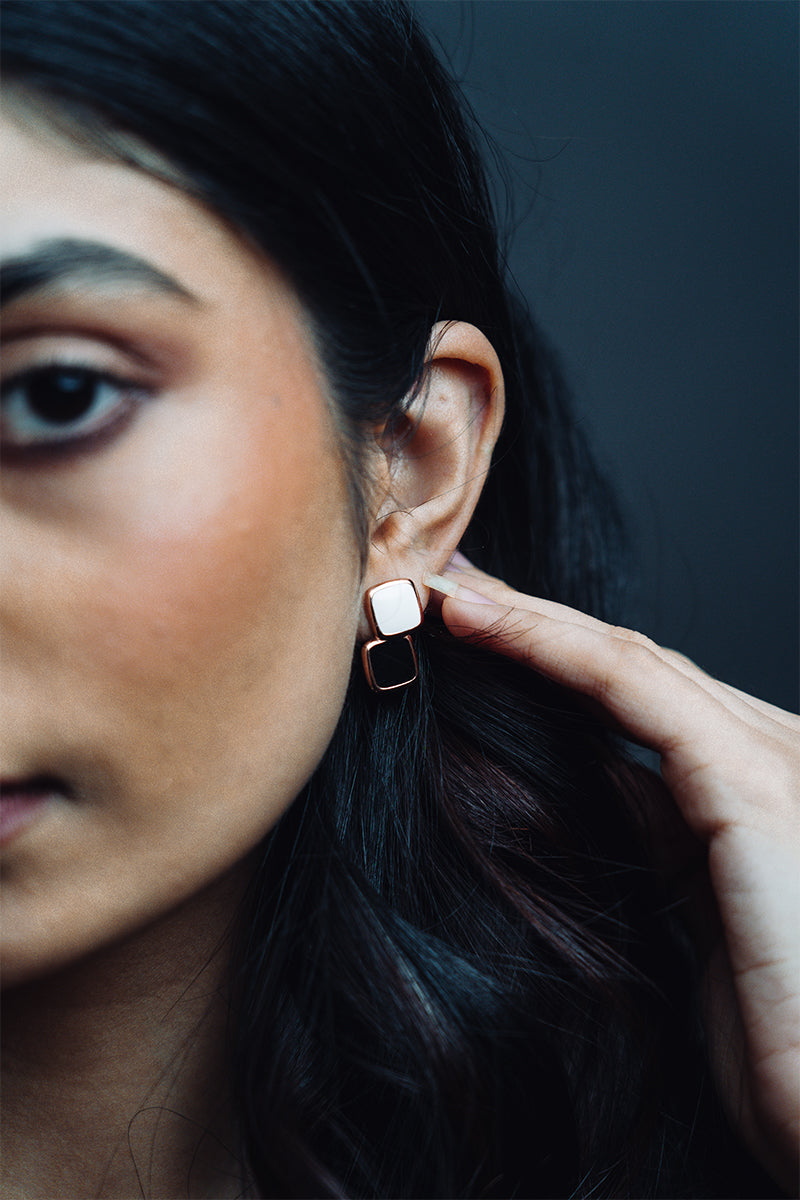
x=434, y=465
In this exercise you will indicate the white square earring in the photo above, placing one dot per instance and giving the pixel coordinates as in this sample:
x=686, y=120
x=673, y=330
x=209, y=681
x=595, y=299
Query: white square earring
x=393, y=610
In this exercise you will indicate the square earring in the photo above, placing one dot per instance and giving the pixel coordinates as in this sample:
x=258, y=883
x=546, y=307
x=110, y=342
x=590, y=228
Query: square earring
x=389, y=664
x=393, y=610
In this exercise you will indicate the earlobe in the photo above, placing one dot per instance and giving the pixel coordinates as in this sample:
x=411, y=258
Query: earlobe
x=435, y=469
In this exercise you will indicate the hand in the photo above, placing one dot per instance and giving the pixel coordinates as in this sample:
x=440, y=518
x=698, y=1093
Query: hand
x=732, y=765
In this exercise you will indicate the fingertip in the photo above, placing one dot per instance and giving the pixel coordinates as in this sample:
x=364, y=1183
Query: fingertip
x=453, y=589
x=439, y=583
x=467, y=594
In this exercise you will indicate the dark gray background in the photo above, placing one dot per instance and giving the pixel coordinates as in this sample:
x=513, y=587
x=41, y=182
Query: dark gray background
x=654, y=143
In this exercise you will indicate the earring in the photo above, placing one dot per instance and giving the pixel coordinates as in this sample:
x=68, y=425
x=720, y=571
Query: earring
x=393, y=611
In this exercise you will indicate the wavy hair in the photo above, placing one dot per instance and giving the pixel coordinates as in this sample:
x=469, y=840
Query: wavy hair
x=455, y=970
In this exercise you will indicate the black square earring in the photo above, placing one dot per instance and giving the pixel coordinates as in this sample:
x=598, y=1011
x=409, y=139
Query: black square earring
x=393, y=611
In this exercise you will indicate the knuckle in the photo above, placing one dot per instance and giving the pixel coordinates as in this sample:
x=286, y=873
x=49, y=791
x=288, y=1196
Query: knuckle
x=628, y=658
x=683, y=660
x=630, y=637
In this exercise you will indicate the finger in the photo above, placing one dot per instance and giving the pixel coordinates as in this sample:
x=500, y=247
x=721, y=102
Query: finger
x=583, y=655
x=459, y=564
x=496, y=589
x=727, y=691
x=748, y=708
x=789, y=720
x=487, y=588
x=645, y=696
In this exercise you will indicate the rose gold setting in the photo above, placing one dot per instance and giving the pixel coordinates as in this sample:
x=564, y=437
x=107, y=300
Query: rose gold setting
x=393, y=610
x=366, y=651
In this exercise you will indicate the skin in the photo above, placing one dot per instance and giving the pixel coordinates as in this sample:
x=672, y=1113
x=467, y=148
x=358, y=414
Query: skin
x=181, y=601
x=180, y=606
x=160, y=588
x=732, y=766
x=160, y=595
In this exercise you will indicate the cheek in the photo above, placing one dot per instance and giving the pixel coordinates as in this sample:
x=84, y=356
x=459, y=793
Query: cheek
x=185, y=660
x=225, y=600
x=210, y=551
x=198, y=626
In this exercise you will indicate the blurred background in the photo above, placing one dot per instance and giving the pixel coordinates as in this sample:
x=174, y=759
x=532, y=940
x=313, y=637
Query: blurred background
x=653, y=149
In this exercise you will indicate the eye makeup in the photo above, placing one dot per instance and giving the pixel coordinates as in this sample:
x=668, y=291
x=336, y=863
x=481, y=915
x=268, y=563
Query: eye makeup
x=63, y=407
x=65, y=394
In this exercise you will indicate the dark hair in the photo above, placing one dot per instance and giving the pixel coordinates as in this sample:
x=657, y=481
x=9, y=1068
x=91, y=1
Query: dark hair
x=455, y=970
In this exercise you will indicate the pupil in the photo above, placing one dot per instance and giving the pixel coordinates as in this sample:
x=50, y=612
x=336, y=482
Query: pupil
x=62, y=396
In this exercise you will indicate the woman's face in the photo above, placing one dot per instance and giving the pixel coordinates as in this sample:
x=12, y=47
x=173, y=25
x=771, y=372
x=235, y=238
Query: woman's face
x=180, y=590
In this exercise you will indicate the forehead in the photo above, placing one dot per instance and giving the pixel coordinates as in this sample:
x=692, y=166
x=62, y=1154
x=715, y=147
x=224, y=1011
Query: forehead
x=55, y=188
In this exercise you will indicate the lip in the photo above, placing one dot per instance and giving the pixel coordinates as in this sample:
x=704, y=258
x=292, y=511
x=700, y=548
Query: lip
x=22, y=801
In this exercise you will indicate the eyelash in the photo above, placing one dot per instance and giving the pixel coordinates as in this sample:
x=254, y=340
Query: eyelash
x=16, y=406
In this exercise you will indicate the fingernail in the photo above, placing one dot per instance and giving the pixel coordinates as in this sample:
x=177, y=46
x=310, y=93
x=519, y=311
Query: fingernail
x=439, y=583
x=449, y=587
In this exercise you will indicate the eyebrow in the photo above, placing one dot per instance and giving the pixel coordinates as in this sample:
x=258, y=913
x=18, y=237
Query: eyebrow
x=69, y=261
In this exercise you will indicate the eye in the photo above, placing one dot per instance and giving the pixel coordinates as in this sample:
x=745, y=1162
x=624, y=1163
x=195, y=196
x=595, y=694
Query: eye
x=61, y=406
